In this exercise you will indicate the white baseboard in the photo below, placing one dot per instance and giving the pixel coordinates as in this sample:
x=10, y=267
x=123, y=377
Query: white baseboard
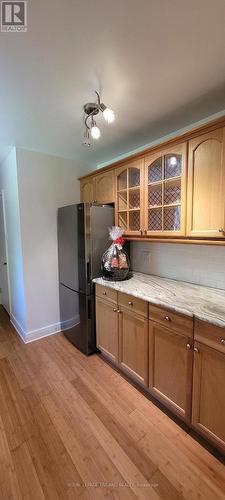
x=69, y=323
x=40, y=333
x=18, y=328
x=33, y=335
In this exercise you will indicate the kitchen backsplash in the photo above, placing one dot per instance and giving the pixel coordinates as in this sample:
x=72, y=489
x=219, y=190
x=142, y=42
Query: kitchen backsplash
x=199, y=264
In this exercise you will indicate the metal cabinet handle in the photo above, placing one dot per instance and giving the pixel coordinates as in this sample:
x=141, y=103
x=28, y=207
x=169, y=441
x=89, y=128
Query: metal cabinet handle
x=118, y=310
x=115, y=310
x=130, y=303
x=167, y=318
x=188, y=345
x=223, y=341
x=196, y=350
x=104, y=293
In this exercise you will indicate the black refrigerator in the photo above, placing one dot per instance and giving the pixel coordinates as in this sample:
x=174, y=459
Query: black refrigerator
x=83, y=237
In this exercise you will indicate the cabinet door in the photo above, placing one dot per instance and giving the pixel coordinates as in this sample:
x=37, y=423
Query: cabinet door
x=107, y=328
x=170, y=368
x=129, y=182
x=208, y=412
x=206, y=186
x=133, y=345
x=165, y=193
x=87, y=194
x=104, y=187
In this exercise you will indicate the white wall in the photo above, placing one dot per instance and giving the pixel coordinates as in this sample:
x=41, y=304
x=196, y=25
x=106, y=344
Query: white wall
x=8, y=182
x=200, y=264
x=45, y=183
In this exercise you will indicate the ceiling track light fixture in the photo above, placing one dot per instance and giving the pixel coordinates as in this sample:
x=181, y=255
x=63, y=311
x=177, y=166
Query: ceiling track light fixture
x=92, y=109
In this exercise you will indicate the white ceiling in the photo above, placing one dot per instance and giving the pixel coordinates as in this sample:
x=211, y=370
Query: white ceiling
x=160, y=64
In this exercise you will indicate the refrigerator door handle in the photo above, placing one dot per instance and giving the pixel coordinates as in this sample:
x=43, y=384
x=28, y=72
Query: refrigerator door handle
x=89, y=309
x=88, y=273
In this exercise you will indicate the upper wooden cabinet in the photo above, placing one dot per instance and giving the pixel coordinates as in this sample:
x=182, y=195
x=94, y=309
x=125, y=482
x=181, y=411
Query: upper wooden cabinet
x=129, y=181
x=104, y=187
x=206, y=185
x=165, y=192
x=87, y=190
x=174, y=191
x=99, y=188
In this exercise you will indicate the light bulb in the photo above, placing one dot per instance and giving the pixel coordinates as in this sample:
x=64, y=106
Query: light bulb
x=109, y=115
x=173, y=161
x=95, y=132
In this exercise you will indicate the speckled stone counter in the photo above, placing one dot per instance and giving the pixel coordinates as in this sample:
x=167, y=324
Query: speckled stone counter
x=207, y=304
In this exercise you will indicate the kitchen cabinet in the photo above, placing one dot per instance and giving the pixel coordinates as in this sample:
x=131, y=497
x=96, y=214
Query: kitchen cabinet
x=170, y=364
x=87, y=188
x=133, y=337
x=107, y=328
x=178, y=360
x=208, y=412
x=165, y=192
x=122, y=331
x=99, y=188
x=171, y=192
x=206, y=185
x=104, y=187
x=129, y=208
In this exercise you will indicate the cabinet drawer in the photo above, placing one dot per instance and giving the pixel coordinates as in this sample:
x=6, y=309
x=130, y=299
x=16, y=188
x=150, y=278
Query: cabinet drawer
x=107, y=293
x=132, y=303
x=173, y=320
x=210, y=335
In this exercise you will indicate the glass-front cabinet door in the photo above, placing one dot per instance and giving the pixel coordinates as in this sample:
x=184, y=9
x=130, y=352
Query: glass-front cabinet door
x=165, y=192
x=130, y=197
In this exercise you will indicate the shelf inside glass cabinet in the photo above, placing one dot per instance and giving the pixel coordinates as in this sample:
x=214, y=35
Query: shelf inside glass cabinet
x=122, y=220
x=122, y=200
x=172, y=192
x=134, y=220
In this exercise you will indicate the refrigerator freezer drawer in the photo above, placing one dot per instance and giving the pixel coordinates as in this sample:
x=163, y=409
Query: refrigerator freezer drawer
x=78, y=319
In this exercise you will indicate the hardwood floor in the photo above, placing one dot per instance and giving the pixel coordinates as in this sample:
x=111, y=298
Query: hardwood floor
x=71, y=427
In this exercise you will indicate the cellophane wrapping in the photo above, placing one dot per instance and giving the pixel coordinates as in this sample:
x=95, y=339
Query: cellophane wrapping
x=115, y=261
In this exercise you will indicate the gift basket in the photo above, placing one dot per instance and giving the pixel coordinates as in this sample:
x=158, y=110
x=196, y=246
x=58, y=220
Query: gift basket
x=115, y=261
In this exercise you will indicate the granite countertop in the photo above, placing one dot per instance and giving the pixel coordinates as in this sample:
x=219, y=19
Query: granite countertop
x=207, y=304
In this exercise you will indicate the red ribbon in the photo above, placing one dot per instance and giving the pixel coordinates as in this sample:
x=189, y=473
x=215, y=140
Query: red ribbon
x=119, y=241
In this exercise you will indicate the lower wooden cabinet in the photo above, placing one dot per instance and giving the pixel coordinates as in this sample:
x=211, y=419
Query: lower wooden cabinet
x=181, y=366
x=133, y=344
x=208, y=412
x=170, y=368
x=122, y=334
x=107, y=328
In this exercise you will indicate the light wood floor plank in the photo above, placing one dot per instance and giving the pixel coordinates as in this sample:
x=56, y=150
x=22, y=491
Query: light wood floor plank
x=72, y=427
